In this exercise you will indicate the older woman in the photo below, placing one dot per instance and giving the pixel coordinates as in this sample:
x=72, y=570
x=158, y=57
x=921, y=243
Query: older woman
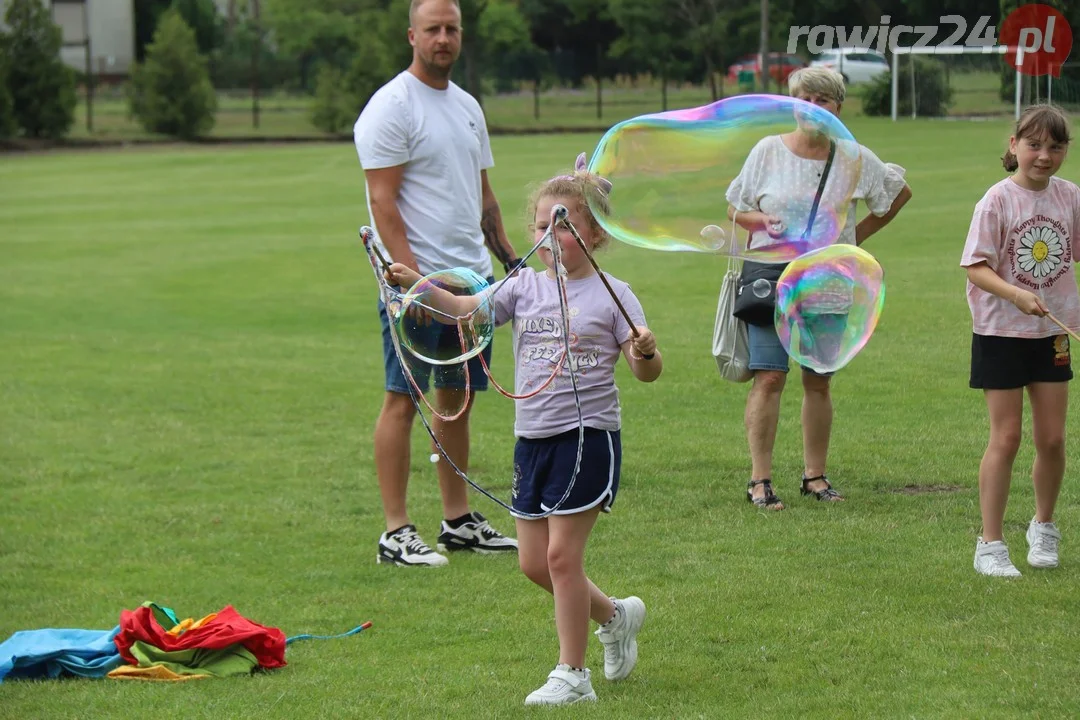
x=774, y=174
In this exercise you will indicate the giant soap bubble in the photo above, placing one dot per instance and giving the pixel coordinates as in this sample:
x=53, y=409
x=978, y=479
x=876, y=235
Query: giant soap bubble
x=827, y=305
x=670, y=173
x=430, y=330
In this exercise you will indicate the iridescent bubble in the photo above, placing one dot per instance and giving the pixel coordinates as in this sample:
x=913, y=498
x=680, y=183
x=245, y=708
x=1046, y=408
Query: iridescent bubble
x=429, y=330
x=828, y=303
x=670, y=173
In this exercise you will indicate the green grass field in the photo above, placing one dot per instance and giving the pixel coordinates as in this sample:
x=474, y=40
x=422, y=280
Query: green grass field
x=190, y=373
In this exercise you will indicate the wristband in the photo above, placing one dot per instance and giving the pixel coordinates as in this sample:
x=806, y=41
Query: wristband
x=511, y=264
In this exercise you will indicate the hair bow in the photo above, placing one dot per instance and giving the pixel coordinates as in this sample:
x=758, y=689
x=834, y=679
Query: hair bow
x=581, y=166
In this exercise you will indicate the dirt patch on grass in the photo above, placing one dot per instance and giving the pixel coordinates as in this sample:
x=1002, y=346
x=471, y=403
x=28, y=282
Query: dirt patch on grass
x=927, y=489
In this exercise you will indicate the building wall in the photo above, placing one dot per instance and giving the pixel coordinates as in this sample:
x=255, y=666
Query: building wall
x=111, y=29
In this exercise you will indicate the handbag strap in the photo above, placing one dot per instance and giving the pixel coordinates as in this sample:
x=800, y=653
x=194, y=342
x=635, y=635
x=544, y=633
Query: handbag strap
x=820, y=189
x=733, y=261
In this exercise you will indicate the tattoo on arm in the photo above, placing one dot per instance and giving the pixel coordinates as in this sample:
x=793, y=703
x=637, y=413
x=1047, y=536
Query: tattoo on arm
x=490, y=227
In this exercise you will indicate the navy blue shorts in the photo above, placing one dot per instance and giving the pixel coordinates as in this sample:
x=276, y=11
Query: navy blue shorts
x=446, y=376
x=543, y=468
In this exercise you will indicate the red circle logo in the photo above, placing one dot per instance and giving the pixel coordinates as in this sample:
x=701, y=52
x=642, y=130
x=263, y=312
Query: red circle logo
x=1039, y=40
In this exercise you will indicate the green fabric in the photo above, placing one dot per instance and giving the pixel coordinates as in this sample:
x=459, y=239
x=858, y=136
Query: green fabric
x=226, y=662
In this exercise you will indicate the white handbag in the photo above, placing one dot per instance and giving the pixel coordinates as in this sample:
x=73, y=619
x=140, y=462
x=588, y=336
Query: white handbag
x=731, y=341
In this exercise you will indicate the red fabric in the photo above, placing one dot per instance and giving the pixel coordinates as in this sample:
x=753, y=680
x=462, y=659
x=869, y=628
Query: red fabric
x=228, y=628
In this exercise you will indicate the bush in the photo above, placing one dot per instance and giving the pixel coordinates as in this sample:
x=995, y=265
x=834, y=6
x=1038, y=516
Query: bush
x=171, y=93
x=331, y=111
x=932, y=92
x=41, y=87
x=369, y=71
x=339, y=98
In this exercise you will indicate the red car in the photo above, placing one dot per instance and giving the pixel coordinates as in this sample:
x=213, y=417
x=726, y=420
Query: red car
x=780, y=66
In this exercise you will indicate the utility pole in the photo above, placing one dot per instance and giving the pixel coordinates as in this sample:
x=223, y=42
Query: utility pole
x=765, y=46
x=256, y=50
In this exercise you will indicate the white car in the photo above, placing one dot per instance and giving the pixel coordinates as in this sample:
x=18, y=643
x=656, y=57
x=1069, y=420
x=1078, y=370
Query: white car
x=855, y=64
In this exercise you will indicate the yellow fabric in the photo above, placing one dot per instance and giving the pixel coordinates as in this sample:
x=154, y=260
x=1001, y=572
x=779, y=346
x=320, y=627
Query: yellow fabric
x=154, y=672
x=189, y=624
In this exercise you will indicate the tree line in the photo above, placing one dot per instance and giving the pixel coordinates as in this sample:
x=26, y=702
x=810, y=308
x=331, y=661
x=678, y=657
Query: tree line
x=341, y=51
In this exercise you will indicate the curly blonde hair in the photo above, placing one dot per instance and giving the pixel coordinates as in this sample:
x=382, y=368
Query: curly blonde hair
x=585, y=188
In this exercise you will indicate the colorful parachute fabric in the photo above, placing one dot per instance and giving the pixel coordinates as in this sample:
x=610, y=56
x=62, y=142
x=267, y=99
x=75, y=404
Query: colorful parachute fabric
x=153, y=626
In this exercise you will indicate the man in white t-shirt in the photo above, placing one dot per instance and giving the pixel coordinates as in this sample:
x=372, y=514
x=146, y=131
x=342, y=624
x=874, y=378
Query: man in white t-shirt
x=423, y=144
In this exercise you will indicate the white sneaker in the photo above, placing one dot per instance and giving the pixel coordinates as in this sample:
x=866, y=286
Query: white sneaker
x=563, y=687
x=477, y=535
x=405, y=547
x=619, y=637
x=1043, y=539
x=992, y=558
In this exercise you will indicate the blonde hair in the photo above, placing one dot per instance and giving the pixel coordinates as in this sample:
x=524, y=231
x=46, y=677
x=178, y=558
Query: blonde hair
x=415, y=5
x=587, y=189
x=1035, y=122
x=818, y=81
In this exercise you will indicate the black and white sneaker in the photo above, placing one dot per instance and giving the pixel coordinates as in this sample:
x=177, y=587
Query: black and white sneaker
x=474, y=534
x=405, y=547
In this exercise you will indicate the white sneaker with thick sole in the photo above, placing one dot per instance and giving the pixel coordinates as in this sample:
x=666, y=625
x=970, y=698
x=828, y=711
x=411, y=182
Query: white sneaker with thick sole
x=992, y=558
x=405, y=547
x=477, y=535
x=619, y=637
x=1043, y=539
x=564, y=686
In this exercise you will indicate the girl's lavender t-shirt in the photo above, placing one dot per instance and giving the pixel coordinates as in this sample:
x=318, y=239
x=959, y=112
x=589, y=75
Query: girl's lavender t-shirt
x=1026, y=237
x=531, y=301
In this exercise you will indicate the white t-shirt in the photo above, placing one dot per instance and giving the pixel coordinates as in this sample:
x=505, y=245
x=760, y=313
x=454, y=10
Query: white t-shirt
x=776, y=181
x=441, y=138
x=1026, y=237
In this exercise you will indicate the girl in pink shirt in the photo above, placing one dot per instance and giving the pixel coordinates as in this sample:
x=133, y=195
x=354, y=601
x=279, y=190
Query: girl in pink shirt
x=1019, y=261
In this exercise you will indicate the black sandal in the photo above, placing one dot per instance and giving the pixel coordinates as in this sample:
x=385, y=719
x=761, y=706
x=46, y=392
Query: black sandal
x=769, y=500
x=826, y=493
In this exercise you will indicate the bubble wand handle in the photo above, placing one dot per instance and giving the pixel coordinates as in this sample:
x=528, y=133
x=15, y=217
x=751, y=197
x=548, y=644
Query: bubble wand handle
x=611, y=291
x=368, y=235
x=1062, y=325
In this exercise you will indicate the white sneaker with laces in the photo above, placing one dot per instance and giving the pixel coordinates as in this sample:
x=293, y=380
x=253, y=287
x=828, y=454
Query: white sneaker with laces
x=619, y=637
x=992, y=558
x=475, y=534
x=564, y=686
x=1043, y=539
x=405, y=547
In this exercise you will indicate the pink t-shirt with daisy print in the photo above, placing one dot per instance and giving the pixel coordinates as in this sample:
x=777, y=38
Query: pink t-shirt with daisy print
x=1026, y=237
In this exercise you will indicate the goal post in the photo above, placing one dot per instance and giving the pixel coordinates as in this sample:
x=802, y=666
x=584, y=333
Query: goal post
x=948, y=50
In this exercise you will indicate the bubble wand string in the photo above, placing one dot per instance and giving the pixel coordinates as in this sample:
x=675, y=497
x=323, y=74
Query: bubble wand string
x=367, y=236
x=562, y=215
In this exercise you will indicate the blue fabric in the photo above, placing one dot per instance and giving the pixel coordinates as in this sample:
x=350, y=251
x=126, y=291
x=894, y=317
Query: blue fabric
x=52, y=653
x=768, y=353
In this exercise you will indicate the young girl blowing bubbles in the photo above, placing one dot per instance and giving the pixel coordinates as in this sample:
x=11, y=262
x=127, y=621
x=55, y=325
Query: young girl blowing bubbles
x=1018, y=257
x=551, y=550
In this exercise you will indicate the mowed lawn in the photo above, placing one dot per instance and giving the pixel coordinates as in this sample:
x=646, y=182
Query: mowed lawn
x=190, y=369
